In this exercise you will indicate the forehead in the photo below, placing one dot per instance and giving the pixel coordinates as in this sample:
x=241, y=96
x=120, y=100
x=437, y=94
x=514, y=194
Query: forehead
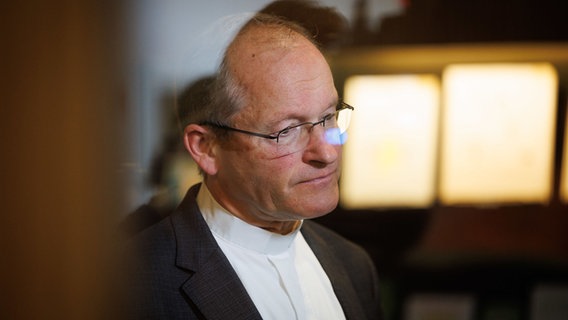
x=282, y=74
x=259, y=49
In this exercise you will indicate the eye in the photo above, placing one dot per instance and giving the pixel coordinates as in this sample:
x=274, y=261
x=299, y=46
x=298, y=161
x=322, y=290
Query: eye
x=289, y=135
x=286, y=132
x=329, y=119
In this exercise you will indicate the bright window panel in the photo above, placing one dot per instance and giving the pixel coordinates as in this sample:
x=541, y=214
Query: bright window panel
x=389, y=157
x=498, y=133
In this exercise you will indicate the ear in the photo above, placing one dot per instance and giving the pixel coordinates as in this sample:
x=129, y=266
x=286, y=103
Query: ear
x=200, y=142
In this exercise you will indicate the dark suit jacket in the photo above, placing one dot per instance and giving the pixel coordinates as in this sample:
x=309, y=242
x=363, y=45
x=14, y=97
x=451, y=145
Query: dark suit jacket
x=181, y=273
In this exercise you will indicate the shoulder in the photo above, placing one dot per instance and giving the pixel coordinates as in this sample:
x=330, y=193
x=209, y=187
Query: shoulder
x=157, y=240
x=153, y=267
x=153, y=252
x=151, y=256
x=146, y=264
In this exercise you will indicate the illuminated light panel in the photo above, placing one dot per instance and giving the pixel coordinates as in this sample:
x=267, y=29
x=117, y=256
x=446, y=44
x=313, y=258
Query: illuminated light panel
x=564, y=176
x=389, y=157
x=498, y=133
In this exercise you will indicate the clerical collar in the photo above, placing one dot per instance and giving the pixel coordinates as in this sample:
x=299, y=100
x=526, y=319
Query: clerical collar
x=234, y=230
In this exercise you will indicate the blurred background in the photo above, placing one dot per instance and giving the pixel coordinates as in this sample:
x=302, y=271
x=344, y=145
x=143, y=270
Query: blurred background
x=455, y=174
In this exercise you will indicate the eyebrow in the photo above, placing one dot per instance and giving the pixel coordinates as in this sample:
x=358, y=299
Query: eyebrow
x=276, y=125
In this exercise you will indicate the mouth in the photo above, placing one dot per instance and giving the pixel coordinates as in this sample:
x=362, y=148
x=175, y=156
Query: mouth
x=320, y=179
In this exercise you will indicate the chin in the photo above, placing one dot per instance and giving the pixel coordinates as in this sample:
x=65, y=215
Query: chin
x=312, y=201
x=319, y=206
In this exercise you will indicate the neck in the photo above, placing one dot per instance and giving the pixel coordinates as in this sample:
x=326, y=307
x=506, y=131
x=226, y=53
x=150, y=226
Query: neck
x=280, y=227
x=283, y=228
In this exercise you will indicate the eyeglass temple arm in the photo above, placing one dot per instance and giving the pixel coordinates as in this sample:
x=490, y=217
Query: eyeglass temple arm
x=225, y=127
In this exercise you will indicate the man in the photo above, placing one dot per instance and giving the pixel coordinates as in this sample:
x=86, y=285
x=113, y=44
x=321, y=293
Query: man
x=240, y=245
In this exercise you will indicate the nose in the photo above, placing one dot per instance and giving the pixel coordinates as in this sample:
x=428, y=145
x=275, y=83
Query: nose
x=320, y=151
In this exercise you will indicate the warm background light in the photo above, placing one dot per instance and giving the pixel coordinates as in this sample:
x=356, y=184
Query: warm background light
x=498, y=131
x=389, y=157
x=564, y=174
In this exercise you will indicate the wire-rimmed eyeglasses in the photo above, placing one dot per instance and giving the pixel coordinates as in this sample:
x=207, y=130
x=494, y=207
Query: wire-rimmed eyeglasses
x=296, y=137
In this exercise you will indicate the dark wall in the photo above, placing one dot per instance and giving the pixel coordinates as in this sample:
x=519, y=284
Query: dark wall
x=447, y=21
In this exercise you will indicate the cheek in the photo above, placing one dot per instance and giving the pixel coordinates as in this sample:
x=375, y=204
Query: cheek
x=263, y=170
x=277, y=172
x=269, y=178
x=275, y=177
x=236, y=171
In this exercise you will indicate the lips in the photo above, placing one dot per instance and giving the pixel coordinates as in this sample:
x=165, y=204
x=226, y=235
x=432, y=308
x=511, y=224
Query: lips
x=321, y=178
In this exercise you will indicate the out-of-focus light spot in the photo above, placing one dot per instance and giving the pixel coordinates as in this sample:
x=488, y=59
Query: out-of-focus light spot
x=498, y=132
x=335, y=137
x=390, y=158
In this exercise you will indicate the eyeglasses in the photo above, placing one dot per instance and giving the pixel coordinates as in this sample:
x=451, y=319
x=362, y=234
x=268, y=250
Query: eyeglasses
x=295, y=138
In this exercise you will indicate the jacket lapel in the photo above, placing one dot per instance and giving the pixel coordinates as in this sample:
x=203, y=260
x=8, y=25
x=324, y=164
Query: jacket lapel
x=213, y=287
x=337, y=274
x=218, y=293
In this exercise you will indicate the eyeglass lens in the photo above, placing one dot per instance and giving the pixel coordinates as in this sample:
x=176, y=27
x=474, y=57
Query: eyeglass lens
x=297, y=138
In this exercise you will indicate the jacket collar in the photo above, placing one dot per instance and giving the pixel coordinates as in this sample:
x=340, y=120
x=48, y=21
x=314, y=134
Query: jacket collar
x=213, y=287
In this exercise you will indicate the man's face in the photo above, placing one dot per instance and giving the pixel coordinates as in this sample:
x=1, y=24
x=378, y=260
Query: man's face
x=253, y=181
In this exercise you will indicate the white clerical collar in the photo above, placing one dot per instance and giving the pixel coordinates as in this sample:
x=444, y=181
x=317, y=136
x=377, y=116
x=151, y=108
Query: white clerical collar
x=232, y=229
